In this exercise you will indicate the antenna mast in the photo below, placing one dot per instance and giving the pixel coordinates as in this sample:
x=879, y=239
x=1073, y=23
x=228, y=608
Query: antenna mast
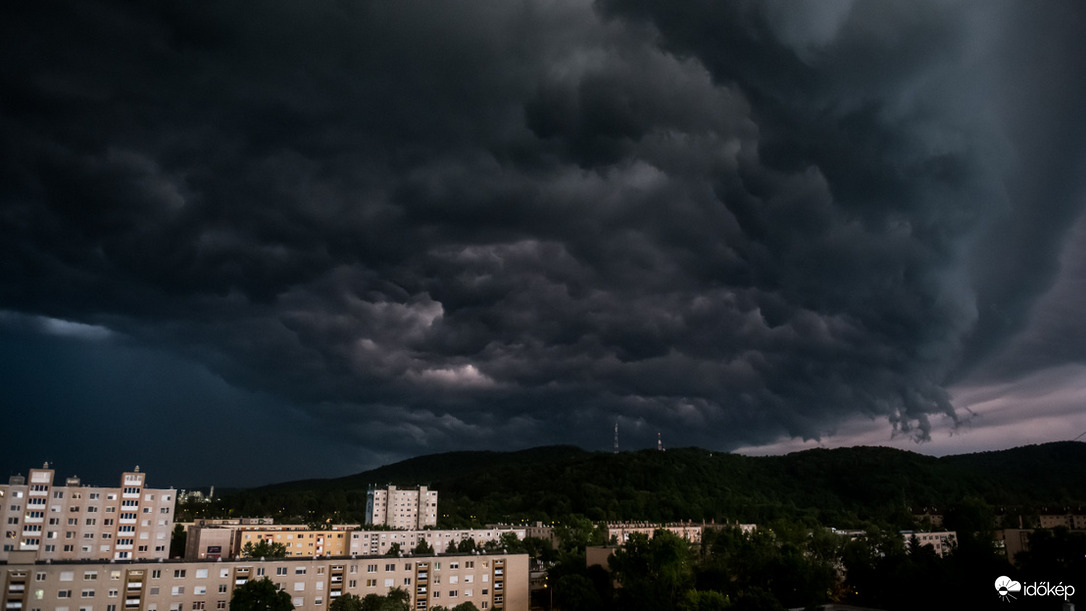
x=616, y=436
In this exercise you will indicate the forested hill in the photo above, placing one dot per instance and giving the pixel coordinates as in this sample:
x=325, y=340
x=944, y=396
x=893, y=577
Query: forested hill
x=841, y=486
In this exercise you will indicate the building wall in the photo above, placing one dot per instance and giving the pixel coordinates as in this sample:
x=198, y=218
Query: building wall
x=210, y=543
x=1069, y=520
x=490, y=582
x=942, y=542
x=621, y=531
x=73, y=522
x=299, y=542
x=401, y=508
x=228, y=541
x=378, y=542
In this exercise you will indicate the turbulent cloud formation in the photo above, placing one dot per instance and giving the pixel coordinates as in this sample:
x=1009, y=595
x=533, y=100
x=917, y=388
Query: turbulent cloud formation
x=501, y=224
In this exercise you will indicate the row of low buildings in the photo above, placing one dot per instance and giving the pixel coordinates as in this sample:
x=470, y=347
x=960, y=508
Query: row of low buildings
x=226, y=541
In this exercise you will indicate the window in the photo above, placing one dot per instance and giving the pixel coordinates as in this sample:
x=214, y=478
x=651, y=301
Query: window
x=222, y=588
x=179, y=573
x=155, y=574
x=199, y=590
x=201, y=573
x=90, y=575
x=67, y=575
x=280, y=570
x=390, y=567
x=177, y=590
x=87, y=594
x=299, y=570
x=64, y=593
x=371, y=568
x=299, y=586
x=371, y=583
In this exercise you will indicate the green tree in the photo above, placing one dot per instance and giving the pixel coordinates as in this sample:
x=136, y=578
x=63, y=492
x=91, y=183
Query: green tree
x=423, y=548
x=394, y=550
x=396, y=600
x=346, y=602
x=260, y=595
x=466, y=546
x=576, y=593
x=264, y=549
x=698, y=600
x=654, y=573
x=577, y=532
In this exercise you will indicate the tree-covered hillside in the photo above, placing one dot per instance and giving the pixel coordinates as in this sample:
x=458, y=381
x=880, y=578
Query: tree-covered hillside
x=842, y=486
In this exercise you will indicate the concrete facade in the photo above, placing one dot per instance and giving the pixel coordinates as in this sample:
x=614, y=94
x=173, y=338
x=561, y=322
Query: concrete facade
x=402, y=508
x=1071, y=521
x=68, y=521
x=375, y=542
x=490, y=582
x=228, y=541
x=942, y=542
x=620, y=531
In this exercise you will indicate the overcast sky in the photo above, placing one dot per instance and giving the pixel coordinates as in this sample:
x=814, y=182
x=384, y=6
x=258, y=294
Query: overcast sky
x=244, y=245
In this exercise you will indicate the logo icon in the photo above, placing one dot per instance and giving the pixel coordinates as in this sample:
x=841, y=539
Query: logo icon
x=1005, y=586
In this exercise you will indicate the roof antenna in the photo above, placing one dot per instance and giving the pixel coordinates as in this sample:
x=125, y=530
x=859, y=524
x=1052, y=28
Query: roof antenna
x=616, y=436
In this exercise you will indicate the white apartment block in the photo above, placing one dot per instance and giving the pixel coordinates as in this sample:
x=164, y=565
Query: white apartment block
x=942, y=542
x=620, y=531
x=67, y=521
x=228, y=540
x=401, y=508
x=490, y=582
x=378, y=542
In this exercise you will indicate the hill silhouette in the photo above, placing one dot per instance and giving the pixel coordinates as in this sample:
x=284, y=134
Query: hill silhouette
x=840, y=486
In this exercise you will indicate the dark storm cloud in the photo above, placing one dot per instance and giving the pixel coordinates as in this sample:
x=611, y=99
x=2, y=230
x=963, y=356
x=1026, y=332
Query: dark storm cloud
x=506, y=224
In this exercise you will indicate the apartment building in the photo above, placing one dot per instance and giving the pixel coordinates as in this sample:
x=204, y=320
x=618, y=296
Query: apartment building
x=1070, y=521
x=490, y=582
x=942, y=542
x=402, y=508
x=227, y=541
x=375, y=542
x=620, y=531
x=57, y=521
